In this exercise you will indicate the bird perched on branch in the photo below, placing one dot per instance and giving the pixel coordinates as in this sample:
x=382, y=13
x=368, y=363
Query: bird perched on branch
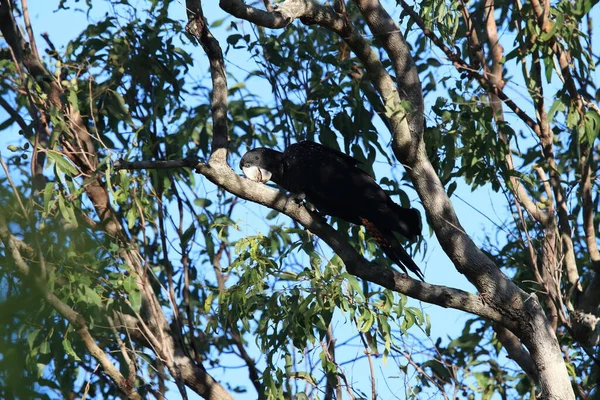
x=332, y=182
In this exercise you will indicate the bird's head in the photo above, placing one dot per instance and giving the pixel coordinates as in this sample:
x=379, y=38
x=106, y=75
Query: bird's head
x=261, y=164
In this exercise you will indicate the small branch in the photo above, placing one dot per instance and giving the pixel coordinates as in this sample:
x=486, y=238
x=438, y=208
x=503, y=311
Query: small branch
x=369, y=355
x=515, y=351
x=432, y=379
x=14, y=114
x=475, y=49
x=328, y=347
x=14, y=188
x=268, y=5
x=125, y=353
x=29, y=29
x=588, y=210
x=160, y=164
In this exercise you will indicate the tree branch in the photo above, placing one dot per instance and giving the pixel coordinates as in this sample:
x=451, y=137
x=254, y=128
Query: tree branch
x=407, y=79
x=158, y=164
x=224, y=177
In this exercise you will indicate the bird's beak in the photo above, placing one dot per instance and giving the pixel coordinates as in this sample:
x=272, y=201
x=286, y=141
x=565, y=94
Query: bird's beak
x=257, y=174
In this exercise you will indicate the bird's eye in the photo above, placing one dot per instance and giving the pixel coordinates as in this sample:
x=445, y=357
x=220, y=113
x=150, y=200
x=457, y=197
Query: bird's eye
x=256, y=157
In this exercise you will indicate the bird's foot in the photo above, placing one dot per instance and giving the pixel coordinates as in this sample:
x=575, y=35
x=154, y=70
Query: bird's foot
x=315, y=213
x=299, y=198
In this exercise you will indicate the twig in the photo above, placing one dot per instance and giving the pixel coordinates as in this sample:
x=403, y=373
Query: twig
x=14, y=188
x=160, y=164
x=32, y=43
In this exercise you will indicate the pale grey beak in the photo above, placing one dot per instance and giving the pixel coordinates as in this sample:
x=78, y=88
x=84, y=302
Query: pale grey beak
x=257, y=174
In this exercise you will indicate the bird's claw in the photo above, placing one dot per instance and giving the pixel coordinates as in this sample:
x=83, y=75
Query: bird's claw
x=299, y=198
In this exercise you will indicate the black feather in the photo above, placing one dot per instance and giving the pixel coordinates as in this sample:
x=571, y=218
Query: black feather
x=334, y=184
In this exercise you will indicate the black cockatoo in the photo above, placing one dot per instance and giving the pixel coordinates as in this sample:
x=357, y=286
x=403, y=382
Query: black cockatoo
x=332, y=182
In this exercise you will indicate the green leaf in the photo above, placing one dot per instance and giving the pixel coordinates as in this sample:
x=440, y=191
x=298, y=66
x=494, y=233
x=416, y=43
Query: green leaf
x=69, y=349
x=409, y=321
x=557, y=105
x=208, y=303
x=438, y=369
x=45, y=347
x=48, y=191
x=592, y=125
x=115, y=105
x=272, y=214
x=133, y=292
x=40, y=369
x=73, y=100
x=62, y=164
x=31, y=337
x=366, y=320
x=545, y=36
x=451, y=188
x=304, y=376
x=202, y=202
x=217, y=23
x=131, y=215
x=67, y=211
x=135, y=299
x=92, y=297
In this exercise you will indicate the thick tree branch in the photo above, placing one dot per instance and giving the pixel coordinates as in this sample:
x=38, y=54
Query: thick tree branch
x=282, y=15
x=407, y=78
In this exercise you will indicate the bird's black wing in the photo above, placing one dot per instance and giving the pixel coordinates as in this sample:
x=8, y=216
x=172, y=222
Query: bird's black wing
x=336, y=186
x=330, y=180
x=323, y=151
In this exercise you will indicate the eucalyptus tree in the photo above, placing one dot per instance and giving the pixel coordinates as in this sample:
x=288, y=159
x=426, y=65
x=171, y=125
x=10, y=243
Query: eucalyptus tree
x=131, y=267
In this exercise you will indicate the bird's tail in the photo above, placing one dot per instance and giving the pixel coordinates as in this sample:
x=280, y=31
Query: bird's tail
x=392, y=248
x=408, y=222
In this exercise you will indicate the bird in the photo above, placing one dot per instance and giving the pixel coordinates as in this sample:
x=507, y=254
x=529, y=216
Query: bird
x=333, y=183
